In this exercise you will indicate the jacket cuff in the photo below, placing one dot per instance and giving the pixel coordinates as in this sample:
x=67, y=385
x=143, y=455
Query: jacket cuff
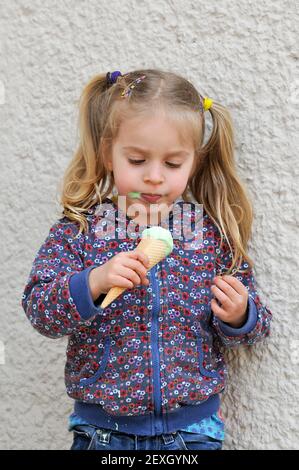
x=80, y=292
x=249, y=325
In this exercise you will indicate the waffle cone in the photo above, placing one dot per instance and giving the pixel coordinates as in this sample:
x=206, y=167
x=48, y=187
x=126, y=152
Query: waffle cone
x=155, y=250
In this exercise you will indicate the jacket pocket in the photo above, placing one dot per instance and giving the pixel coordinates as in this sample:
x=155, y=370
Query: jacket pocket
x=102, y=366
x=204, y=372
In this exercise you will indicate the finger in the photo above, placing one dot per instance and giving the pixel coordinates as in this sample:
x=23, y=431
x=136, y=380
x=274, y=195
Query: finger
x=141, y=271
x=143, y=258
x=130, y=274
x=227, y=288
x=133, y=263
x=218, y=311
x=235, y=283
x=137, y=266
x=119, y=281
x=222, y=297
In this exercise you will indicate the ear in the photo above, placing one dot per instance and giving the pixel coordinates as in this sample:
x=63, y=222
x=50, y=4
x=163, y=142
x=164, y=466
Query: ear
x=106, y=154
x=109, y=164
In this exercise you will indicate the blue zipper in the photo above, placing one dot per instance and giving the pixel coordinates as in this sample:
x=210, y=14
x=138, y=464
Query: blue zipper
x=155, y=354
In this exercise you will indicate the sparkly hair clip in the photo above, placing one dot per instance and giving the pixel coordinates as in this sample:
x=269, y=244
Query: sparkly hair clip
x=129, y=89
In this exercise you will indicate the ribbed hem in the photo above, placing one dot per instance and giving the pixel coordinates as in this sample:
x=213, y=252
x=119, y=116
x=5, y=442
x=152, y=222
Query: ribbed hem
x=146, y=425
x=249, y=325
x=80, y=292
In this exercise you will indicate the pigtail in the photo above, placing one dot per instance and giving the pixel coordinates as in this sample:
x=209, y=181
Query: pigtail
x=217, y=186
x=87, y=175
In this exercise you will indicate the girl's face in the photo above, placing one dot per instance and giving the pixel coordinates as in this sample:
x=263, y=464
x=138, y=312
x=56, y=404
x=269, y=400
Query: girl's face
x=149, y=157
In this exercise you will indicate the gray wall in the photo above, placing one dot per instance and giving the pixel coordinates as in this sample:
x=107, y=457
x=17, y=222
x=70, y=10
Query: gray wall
x=244, y=54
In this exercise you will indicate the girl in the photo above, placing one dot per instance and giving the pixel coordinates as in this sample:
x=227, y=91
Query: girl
x=147, y=371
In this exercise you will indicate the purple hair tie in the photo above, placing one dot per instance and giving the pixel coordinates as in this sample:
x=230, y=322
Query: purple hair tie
x=112, y=77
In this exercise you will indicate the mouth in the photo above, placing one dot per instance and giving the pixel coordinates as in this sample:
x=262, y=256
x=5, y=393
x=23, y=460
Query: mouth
x=151, y=197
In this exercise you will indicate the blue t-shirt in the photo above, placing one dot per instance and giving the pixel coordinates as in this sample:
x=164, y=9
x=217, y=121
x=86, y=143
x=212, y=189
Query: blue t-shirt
x=213, y=426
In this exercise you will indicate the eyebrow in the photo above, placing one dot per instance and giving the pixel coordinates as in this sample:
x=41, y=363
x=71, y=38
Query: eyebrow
x=145, y=151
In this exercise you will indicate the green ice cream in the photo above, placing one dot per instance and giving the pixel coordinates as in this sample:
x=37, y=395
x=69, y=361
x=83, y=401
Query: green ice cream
x=134, y=195
x=159, y=233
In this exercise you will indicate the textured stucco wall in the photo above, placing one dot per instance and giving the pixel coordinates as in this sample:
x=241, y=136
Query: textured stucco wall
x=243, y=53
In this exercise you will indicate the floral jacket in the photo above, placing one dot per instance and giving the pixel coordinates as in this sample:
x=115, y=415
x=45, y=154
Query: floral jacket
x=155, y=353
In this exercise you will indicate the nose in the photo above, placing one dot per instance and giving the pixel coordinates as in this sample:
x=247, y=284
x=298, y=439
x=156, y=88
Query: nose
x=154, y=175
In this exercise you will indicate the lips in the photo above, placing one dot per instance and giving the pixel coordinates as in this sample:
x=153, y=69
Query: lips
x=151, y=197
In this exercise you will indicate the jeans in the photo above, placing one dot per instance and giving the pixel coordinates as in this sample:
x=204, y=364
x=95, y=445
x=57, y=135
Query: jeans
x=87, y=437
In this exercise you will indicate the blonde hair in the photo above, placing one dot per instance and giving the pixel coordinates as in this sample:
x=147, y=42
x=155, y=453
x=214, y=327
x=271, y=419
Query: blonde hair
x=213, y=181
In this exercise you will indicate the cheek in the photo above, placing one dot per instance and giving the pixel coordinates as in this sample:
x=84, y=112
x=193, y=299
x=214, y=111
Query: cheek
x=178, y=180
x=125, y=177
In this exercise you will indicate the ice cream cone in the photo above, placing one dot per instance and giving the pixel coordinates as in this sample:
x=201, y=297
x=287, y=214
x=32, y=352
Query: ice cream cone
x=155, y=248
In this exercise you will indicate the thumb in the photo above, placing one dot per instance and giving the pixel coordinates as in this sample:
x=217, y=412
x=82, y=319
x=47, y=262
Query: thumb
x=216, y=308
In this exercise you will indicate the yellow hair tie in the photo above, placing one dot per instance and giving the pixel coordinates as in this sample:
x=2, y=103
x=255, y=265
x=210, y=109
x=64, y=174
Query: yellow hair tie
x=207, y=103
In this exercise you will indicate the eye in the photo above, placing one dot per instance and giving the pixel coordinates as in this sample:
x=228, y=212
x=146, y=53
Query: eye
x=138, y=162
x=173, y=165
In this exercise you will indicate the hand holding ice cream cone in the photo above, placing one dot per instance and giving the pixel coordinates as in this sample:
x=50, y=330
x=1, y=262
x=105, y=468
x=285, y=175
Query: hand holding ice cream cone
x=156, y=243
